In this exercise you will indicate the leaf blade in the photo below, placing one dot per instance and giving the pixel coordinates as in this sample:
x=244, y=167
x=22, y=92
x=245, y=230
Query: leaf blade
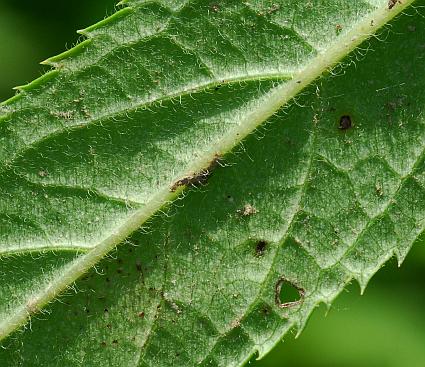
x=168, y=193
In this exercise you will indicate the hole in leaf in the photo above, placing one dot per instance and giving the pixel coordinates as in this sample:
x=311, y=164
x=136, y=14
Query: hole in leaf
x=288, y=294
x=260, y=248
x=345, y=122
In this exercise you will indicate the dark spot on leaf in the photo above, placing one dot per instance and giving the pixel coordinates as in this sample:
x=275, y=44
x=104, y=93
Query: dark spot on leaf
x=217, y=87
x=345, y=122
x=141, y=315
x=138, y=266
x=115, y=341
x=105, y=310
x=260, y=248
x=103, y=344
x=287, y=294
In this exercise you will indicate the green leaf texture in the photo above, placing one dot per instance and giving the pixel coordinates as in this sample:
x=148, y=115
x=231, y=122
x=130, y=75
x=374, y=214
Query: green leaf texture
x=290, y=179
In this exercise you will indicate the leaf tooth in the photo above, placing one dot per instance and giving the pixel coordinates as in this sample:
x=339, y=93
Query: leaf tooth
x=76, y=50
x=89, y=31
x=400, y=254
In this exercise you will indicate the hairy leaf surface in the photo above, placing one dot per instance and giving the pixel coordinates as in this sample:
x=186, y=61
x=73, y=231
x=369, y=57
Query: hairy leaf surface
x=167, y=95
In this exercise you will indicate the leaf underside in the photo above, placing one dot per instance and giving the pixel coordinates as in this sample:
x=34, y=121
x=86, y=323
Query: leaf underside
x=327, y=189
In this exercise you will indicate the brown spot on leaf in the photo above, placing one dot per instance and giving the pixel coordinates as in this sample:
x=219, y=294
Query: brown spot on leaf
x=392, y=3
x=198, y=178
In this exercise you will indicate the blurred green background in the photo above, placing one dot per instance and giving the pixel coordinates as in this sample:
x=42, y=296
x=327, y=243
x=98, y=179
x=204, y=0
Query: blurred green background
x=385, y=327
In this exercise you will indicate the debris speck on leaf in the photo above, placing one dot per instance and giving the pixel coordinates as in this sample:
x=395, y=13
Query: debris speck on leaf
x=247, y=210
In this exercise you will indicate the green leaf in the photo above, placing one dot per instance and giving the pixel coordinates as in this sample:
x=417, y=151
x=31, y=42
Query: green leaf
x=319, y=192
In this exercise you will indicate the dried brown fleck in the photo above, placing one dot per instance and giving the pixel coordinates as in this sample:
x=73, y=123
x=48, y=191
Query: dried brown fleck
x=198, y=178
x=247, y=210
x=392, y=3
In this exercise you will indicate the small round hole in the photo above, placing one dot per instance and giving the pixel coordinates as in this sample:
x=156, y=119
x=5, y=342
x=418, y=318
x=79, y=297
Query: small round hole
x=345, y=122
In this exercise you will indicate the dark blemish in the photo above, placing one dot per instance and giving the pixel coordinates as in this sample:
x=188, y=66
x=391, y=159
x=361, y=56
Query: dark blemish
x=286, y=292
x=260, y=248
x=106, y=310
x=199, y=178
x=247, y=210
x=298, y=81
x=107, y=280
x=392, y=3
x=115, y=341
x=109, y=326
x=43, y=173
x=103, y=344
x=141, y=315
x=345, y=122
x=217, y=87
x=138, y=266
x=119, y=261
x=119, y=271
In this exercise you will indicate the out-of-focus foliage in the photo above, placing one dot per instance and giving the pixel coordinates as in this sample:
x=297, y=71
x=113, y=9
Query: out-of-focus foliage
x=32, y=31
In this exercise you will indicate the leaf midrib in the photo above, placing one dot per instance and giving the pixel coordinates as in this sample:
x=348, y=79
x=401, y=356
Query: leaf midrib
x=273, y=101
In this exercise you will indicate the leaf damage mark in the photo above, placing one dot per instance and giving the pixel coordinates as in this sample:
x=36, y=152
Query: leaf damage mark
x=260, y=248
x=288, y=294
x=345, y=122
x=198, y=178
